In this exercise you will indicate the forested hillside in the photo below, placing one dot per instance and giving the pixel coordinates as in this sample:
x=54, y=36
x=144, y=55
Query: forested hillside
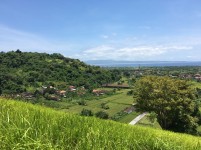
x=22, y=70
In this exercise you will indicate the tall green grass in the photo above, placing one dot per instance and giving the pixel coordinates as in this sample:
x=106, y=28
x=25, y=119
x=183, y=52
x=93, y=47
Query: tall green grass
x=27, y=126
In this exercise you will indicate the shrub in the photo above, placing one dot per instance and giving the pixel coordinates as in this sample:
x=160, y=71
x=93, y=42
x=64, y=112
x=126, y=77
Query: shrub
x=102, y=115
x=82, y=102
x=131, y=92
x=104, y=106
x=86, y=112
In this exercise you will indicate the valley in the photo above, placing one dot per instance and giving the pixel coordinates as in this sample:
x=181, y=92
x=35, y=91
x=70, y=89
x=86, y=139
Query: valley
x=170, y=96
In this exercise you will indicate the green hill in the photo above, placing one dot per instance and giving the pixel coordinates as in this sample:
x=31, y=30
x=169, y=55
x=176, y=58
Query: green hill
x=27, y=126
x=24, y=71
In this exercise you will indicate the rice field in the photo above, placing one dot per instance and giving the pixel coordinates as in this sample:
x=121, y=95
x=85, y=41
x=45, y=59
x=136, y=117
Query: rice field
x=27, y=126
x=116, y=103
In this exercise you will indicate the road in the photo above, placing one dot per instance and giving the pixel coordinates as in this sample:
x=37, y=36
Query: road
x=138, y=118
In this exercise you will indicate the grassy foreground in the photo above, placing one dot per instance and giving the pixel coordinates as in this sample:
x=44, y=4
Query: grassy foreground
x=27, y=126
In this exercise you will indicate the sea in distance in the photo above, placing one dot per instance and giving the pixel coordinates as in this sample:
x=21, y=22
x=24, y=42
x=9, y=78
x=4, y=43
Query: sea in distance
x=112, y=63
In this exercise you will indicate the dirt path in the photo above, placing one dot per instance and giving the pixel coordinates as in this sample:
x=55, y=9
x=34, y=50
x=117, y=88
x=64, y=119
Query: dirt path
x=138, y=118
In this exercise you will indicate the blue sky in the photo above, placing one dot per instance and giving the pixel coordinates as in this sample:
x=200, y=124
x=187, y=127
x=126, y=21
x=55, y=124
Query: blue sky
x=104, y=29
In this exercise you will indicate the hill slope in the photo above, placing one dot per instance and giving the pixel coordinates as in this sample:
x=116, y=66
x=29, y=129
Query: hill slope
x=26, y=126
x=20, y=70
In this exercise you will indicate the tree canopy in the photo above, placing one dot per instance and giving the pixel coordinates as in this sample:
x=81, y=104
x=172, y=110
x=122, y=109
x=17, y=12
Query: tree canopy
x=19, y=70
x=171, y=99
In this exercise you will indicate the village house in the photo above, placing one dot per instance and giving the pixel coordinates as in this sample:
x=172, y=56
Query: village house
x=27, y=95
x=99, y=92
x=129, y=110
x=62, y=93
x=81, y=90
x=197, y=77
x=185, y=76
x=45, y=87
x=72, y=88
x=54, y=98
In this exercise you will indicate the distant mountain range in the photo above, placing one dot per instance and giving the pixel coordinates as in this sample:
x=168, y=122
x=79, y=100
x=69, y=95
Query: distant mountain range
x=113, y=63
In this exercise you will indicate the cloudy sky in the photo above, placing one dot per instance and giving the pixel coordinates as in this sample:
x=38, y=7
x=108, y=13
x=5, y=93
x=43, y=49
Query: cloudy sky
x=104, y=29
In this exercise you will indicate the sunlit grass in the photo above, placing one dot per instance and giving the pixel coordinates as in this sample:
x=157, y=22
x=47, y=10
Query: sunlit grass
x=26, y=126
x=128, y=118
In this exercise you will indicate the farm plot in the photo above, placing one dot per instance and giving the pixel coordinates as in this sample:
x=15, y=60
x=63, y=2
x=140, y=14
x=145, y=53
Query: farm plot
x=116, y=103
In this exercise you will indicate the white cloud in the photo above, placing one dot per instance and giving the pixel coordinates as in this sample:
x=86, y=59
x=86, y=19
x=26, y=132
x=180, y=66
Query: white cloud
x=192, y=40
x=113, y=47
x=104, y=36
x=194, y=57
x=109, y=36
x=128, y=53
x=114, y=34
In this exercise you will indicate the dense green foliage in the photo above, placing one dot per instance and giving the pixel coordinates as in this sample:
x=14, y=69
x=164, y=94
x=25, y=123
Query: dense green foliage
x=102, y=115
x=21, y=70
x=25, y=126
x=86, y=112
x=171, y=99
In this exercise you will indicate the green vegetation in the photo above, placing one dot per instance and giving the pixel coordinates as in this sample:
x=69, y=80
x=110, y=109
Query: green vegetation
x=102, y=115
x=195, y=84
x=148, y=123
x=174, y=71
x=86, y=112
x=128, y=117
x=72, y=86
x=25, y=126
x=171, y=99
x=26, y=71
x=116, y=103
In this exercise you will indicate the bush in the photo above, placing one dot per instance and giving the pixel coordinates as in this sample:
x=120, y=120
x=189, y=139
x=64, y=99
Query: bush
x=131, y=92
x=102, y=115
x=104, y=106
x=82, y=102
x=86, y=112
x=118, y=115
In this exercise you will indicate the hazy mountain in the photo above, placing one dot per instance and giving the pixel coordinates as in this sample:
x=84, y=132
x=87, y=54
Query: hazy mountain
x=114, y=63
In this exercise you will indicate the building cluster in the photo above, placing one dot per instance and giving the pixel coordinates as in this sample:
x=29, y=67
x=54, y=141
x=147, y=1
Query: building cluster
x=50, y=92
x=196, y=77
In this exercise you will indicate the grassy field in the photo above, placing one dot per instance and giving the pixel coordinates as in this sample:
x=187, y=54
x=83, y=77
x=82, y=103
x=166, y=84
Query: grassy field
x=27, y=126
x=146, y=122
x=128, y=118
x=116, y=103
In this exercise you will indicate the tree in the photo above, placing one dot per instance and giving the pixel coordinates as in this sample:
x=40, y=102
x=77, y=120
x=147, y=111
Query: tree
x=170, y=99
x=18, y=51
x=152, y=117
x=25, y=69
